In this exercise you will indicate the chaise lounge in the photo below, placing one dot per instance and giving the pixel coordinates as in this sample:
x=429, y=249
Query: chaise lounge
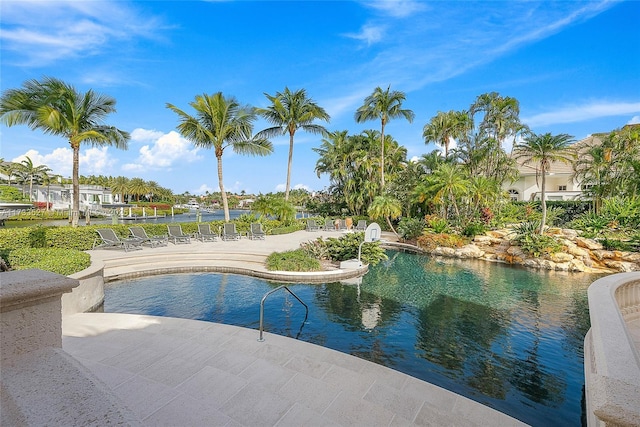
x=153, y=241
x=256, y=232
x=229, y=232
x=205, y=234
x=110, y=239
x=176, y=234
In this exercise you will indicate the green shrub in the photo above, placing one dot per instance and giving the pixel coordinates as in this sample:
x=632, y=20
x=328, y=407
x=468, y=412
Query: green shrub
x=591, y=223
x=473, y=228
x=616, y=245
x=61, y=261
x=436, y=224
x=533, y=243
x=316, y=248
x=296, y=260
x=38, y=237
x=411, y=228
x=346, y=247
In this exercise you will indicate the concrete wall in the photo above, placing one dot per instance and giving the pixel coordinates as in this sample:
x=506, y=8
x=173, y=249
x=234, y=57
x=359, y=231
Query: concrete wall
x=611, y=358
x=88, y=295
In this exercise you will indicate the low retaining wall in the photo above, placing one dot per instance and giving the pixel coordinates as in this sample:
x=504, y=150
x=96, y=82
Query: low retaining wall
x=88, y=295
x=611, y=358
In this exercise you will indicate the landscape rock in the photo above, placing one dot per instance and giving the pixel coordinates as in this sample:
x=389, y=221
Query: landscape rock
x=588, y=243
x=469, y=251
x=579, y=254
x=561, y=257
x=622, y=266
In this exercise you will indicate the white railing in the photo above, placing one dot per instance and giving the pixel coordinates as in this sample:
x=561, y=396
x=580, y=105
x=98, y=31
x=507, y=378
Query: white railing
x=611, y=358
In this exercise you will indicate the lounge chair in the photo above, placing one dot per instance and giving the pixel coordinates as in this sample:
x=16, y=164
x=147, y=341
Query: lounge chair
x=342, y=225
x=312, y=225
x=329, y=225
x=110, y=239
x=205, y=234
x=229, y=232
x=176, y=234
x=362, y=225
x=256, y=232
x=153, y=241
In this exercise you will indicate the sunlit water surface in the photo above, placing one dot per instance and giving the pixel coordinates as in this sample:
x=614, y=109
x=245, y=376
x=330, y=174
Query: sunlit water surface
x=507, y=337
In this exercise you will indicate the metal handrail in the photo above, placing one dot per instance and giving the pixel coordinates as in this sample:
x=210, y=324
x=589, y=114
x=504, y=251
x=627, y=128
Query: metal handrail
x=262, y=306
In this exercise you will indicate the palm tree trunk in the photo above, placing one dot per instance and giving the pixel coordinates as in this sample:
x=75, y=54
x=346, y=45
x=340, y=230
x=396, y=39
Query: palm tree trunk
x=75, y=211
x=286, y=193
x=544, y=201
x=382, y=159
x=391, y=226
x=225, y=203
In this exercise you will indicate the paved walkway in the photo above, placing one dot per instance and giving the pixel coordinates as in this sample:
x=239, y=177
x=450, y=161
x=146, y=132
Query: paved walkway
x=176, y=372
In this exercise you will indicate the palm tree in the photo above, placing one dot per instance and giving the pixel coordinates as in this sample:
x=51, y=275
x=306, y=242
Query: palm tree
x=446, y=126
x=386, y=207
x=31, y=173
x=288, y=112
x=119, y=185
x=384, y=105
x=137, y=187
x=544, y=150
x=56, y=108
x=446, y=185
x=501, y=116
x=221, y=123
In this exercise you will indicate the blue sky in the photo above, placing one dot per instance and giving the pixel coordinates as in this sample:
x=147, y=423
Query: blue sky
x=573, y=65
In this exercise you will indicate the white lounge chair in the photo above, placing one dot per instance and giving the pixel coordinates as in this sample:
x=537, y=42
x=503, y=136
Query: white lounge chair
x=312, y=225
x=362, y=225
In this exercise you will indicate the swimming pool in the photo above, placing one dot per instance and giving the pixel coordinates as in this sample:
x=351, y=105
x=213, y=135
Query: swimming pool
x=507, y=337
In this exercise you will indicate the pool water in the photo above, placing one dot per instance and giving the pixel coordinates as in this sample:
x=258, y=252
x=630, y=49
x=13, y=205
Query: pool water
x=507, y=337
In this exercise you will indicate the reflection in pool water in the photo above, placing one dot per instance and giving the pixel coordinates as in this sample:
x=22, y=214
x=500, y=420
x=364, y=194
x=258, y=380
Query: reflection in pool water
x=507, y=337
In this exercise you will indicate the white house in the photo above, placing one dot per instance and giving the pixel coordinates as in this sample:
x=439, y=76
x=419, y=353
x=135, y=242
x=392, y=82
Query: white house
x=560, y=183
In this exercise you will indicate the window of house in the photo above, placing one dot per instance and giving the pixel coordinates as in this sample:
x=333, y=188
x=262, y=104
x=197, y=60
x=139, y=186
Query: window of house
x=514, y=195
x=562, y=188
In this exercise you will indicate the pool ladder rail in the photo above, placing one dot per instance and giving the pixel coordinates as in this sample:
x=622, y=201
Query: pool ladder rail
x=261, y=339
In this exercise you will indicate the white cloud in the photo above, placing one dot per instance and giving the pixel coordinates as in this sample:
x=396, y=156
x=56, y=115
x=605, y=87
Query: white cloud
x=397, y=8
x=165, y=151
x=202, y=190
x=283, y=187
x=369, y=33
x=93, y=161
x=42, y=32
x=579, y=113
x=634, y=120
x=140, y=134
x=415, y=159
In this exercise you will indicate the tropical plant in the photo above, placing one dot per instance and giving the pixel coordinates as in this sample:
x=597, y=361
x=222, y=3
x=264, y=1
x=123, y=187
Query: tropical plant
x=542, y=150
x=56, y=108
x=383, y=105
x=445, y=186
x=532, y=241
x=137, y=187
x=221, y=122
x=288, y=112
x=501, y=116
x=33, y=173
x=411, y=228
x=295, y=260
x=447, y=126
x=352, y=163
x=386, y=207
x=275, y=206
